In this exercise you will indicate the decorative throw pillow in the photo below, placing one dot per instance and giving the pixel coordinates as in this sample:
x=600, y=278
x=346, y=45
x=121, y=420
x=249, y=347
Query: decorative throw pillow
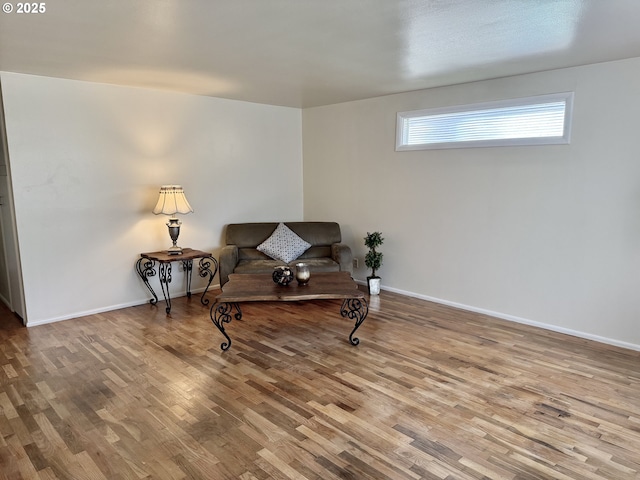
x=284, y=244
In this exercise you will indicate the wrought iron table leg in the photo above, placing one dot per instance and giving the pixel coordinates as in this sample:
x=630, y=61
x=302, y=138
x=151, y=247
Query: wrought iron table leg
x=355, y=309
x=187, y=266
x=205, y=269
x=145, y=269
x=165, y=279
x=222, y=313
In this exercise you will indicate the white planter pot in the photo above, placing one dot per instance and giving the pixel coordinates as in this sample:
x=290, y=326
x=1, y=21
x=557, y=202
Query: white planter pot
x=374, y=285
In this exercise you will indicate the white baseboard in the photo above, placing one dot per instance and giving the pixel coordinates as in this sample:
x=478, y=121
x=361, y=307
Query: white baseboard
x=512, y=318
x=133, y=303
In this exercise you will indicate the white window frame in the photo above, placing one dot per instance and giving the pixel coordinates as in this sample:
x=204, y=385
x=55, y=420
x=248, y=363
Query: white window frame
x=566, y=97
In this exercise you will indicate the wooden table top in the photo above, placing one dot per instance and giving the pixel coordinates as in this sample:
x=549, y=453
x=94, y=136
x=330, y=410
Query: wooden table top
x=187, y=254
x=261, y=287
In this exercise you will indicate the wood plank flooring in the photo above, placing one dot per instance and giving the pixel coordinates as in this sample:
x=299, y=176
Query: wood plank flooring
x=430, y=393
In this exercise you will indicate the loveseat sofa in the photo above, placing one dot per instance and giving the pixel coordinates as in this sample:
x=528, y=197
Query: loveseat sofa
x=241, y=255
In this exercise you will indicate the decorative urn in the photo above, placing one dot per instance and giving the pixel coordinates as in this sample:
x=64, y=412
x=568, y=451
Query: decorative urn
x=282, y=275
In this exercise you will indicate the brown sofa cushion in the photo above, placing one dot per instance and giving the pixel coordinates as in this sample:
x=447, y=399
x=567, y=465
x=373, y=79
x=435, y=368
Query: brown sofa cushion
x=267, y=265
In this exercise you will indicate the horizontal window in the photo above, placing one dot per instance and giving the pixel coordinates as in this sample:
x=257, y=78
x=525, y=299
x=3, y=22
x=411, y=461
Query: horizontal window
x=541, y=120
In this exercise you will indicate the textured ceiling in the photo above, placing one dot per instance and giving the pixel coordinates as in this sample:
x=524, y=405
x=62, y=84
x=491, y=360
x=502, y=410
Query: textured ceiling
x=305, y=53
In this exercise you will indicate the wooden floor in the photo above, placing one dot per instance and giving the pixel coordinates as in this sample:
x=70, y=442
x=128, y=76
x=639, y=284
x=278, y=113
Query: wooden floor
x=431, y=392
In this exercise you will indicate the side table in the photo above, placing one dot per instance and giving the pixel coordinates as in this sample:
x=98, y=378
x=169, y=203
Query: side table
x=145, y=267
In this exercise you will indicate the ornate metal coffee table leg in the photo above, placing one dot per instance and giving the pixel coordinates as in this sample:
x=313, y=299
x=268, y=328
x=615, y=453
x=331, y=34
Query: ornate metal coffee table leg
x=222, y=313
x=355, y=309
x=145, y=269
x=205, y=269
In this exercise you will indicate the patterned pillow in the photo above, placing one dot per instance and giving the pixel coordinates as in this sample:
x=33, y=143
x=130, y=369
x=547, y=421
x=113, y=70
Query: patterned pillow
x=283, y=244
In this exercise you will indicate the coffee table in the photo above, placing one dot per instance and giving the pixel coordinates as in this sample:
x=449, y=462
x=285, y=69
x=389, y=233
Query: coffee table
x=261, y=288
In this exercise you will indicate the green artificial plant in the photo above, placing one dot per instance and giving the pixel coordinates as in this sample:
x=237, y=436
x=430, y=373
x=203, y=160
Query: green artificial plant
x=373, y=258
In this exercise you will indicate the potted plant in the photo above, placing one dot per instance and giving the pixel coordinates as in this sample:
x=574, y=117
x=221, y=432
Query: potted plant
x=373, y=260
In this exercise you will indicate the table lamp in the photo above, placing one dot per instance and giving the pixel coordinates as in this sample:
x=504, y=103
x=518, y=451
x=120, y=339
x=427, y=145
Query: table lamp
x=170, y=202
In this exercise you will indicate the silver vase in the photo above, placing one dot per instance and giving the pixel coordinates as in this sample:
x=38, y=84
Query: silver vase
x=303, y=274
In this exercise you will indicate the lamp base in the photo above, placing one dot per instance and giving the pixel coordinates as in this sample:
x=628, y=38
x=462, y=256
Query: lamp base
x=174, y=231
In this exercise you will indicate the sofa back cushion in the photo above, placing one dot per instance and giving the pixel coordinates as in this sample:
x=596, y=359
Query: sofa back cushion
x=317, y=233
x=250, y=235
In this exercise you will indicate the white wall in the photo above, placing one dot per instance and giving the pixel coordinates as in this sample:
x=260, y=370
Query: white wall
x=87, y=161
x=548, y=235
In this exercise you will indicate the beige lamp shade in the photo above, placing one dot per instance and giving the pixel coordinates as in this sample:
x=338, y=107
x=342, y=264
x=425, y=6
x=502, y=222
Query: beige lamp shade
x=172, y=200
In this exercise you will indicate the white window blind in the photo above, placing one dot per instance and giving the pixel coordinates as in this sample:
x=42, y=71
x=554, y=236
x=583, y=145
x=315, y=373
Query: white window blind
x=526, y=121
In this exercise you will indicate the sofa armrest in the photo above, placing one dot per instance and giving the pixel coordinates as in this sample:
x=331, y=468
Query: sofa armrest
x=341, y=254
x=228, y=262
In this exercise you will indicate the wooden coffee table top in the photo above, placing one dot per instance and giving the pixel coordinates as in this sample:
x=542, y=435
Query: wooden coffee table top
x=262, y=288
